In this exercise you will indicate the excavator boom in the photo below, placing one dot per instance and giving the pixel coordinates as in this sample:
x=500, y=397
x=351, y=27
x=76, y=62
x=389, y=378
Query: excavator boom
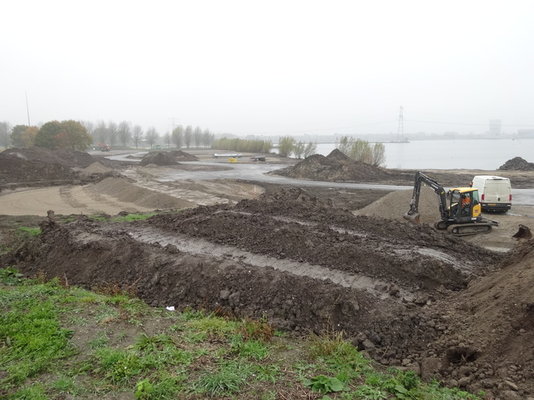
x=413, y=213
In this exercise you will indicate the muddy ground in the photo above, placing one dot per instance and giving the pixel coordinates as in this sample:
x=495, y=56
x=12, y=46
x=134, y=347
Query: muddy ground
x=306, y=266
x=408, y=295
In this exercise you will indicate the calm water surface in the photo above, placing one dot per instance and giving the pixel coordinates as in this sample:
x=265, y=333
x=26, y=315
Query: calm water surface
x=450, y=154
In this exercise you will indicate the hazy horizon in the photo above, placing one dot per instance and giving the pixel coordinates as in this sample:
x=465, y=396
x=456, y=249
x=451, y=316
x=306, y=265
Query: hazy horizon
x=274, y=68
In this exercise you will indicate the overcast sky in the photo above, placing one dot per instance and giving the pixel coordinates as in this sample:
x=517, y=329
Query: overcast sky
x=273, y=67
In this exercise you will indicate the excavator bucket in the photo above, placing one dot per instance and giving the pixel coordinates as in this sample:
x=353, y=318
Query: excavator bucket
x=413, y=218
x=523, y=233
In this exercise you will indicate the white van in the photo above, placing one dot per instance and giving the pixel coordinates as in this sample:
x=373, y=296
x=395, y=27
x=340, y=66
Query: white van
x=495, y=192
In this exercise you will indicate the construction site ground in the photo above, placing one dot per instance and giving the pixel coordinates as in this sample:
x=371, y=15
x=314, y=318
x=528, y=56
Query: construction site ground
x=308, y=260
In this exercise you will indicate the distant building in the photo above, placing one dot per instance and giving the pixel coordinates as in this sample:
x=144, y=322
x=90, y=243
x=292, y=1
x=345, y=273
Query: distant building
x=495, y=127
x=525, y=133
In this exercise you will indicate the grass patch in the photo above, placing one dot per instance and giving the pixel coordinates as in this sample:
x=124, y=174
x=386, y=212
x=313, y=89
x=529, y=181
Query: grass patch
x=26, y=231
x=133, y=217
x=120, y=345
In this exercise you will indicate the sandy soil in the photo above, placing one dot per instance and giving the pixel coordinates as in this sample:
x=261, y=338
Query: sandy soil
x=63, y=200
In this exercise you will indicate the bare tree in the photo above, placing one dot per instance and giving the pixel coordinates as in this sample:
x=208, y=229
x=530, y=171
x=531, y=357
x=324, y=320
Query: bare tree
x=4, y=133
x=286, y=145
x=379, y=154
x=206, y=138
x=167, y=139
x=137, y=135
x=298, y=149
x=188, y=135
x=124, y=133
x=112, y=133
x=197, y=136
x=152, y=136
x=100, y=133
x=310, y=149
x=178, y=136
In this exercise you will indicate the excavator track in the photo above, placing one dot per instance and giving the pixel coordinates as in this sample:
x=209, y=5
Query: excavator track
x=469, y=229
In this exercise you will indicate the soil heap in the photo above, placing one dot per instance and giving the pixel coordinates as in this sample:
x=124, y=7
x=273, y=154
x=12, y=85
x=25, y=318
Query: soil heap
x=517, y=164
x=489, y=343
x=39, y=165
x=334, y=167
x=159, y=158
x=180, y=155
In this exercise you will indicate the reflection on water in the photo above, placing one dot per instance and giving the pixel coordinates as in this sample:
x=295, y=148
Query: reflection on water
x=451, y=154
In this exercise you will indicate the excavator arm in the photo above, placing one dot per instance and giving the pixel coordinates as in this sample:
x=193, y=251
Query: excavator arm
x=413, y=212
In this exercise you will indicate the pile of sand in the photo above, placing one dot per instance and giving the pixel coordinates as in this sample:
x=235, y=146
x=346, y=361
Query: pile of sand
x=127, y=191
x=517, y=164
x=334, y=167
x=395, y=204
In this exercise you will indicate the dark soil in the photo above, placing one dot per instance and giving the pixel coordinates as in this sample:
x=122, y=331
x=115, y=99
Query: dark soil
x=489, y=341
x=159, y=158
x=39, y=166
x=517, y=164
x=335, y=167
x=180, y=155
x=417, y=297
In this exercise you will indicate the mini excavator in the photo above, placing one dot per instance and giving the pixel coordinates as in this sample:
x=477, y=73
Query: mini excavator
x=459, y=208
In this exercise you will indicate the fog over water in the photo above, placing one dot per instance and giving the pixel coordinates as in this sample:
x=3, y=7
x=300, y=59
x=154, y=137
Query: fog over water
x=276, y=67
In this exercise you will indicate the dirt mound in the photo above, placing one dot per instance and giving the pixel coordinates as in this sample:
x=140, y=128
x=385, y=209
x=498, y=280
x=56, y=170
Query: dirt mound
x=180, y=155
x=96, y=168
x=492, y=326
x=336, y=239
x=127, y=191
x=335, y=167
x=37, y=164
x=517, y=164
x=395, y=204
x=159, y=158
x=87, y=254
x=339, y=156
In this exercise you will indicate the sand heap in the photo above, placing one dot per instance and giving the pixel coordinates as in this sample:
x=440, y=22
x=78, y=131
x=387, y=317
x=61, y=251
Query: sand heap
x=41, y=165
x=334, y=167
x=126, y=191
x=517, y=164
x=395, y=204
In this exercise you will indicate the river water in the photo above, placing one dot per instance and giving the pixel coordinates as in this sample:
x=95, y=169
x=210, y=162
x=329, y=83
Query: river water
x=487, y=154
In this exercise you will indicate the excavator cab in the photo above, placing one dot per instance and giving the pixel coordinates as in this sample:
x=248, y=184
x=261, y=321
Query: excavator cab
x=464, y=204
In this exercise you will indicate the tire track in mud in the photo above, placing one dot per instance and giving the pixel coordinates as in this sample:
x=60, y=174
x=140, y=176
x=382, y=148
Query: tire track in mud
x=66, y=195
x=196, y=246
x=439, y=255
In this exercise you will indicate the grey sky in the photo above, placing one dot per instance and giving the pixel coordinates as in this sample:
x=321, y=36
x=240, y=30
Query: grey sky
x=274, y=67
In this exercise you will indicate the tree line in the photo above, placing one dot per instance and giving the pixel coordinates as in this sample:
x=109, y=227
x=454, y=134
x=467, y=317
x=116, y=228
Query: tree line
x=245, y=145
x=287, y=145
x=80, y=135
x=125, y=133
